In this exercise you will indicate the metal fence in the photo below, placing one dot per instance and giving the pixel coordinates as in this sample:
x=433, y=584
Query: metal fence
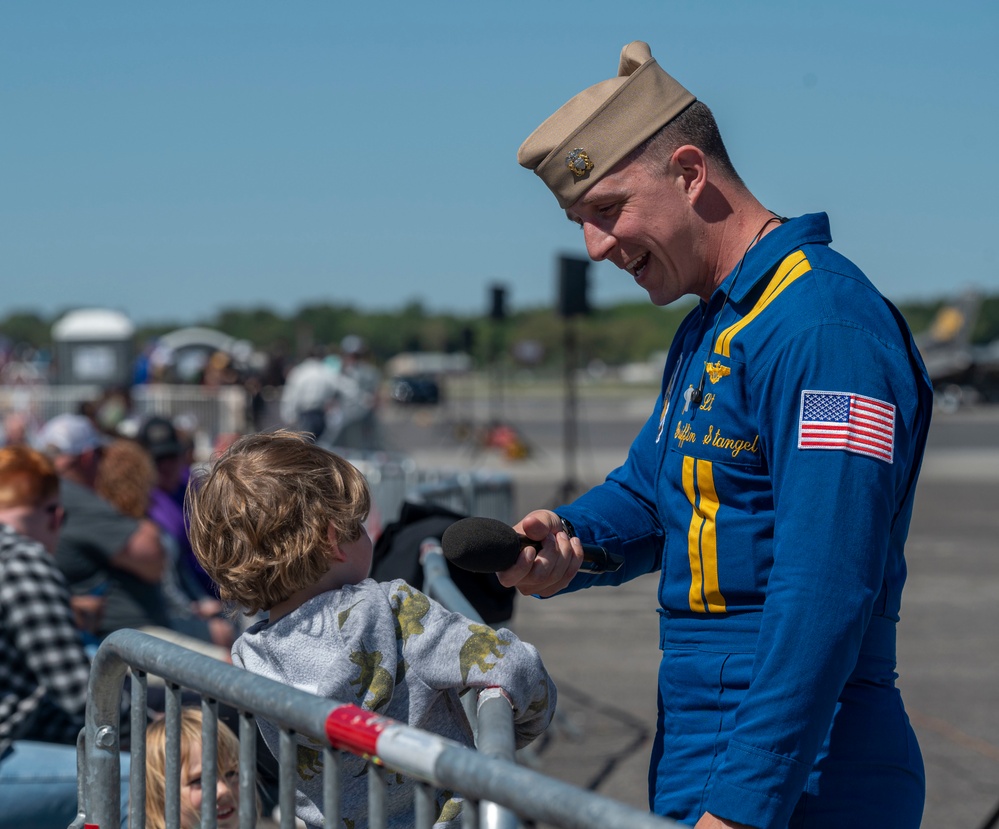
x=484, y=494
x=498, y=792
x=215, y=411
x=394, y=478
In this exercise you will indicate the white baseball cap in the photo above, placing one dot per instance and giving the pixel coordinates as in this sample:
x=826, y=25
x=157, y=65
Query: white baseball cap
x=68, y=434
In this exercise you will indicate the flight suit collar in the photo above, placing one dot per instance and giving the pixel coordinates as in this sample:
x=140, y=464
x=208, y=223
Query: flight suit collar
x=765, y=255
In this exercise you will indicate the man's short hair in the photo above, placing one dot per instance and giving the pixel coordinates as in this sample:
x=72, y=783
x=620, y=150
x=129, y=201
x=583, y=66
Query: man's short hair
x=260, y=518
x=27, y=477
x=696, y=125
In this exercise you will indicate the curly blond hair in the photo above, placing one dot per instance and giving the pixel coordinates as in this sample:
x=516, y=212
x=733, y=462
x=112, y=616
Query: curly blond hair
x=125, y=477
x=260, y=518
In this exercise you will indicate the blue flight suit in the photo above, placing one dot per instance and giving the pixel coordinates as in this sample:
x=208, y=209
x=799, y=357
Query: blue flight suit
x=776, y=504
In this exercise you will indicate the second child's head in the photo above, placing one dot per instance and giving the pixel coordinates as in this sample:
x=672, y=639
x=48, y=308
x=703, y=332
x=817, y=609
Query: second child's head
x=226, y=796
x=268, y=516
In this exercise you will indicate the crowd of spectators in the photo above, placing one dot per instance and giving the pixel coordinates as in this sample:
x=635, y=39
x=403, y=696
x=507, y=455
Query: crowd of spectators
x=93, y=539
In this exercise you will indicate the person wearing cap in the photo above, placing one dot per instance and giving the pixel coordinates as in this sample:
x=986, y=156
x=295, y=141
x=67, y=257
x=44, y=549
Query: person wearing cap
x=100, y=549
x=772, y=485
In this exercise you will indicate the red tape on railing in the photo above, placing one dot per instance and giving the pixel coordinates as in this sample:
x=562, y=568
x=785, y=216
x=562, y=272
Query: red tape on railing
x=353, y=729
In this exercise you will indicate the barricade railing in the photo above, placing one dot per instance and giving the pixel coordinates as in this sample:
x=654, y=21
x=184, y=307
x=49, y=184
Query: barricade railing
x=490, y=715
x=40, y=403
x=394, y=478
x=390, y=476
x=216, y=410
x=485, y=494
x=392, y=747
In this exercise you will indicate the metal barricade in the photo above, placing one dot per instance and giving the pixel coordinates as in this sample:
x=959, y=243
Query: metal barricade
x=485, y=494
x=41, y=403
x=390, y=477
x=490, y=715
x=217, y=411
x=431, y=761
x=394, y=478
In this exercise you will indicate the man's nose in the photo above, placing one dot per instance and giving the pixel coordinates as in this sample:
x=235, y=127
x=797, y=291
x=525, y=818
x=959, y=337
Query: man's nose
x=599, y=243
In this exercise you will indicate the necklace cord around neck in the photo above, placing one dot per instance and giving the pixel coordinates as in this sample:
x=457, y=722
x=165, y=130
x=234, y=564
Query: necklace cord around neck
x=697, y=395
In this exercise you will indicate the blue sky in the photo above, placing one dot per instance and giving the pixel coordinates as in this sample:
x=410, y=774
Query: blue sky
x=170, y=160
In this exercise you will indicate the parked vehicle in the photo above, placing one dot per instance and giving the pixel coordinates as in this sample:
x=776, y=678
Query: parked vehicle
x=416, y=389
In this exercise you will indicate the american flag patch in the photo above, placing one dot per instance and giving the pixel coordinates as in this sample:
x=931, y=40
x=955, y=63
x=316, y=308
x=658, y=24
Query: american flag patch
x=841, y=420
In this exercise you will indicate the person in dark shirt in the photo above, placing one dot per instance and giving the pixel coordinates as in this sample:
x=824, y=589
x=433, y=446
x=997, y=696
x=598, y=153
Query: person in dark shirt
x=100, y=549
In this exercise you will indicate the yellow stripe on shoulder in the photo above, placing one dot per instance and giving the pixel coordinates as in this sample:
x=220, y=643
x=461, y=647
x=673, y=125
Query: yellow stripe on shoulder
x=790, y=269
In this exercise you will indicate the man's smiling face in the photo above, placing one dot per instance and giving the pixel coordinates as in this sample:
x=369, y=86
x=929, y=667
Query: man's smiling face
x=641, y=220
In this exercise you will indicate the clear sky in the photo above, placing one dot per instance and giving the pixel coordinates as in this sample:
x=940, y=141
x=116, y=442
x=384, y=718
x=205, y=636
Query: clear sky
x=172, y=159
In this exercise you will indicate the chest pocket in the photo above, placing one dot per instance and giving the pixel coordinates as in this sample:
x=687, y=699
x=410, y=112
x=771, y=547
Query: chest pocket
x=723, y=428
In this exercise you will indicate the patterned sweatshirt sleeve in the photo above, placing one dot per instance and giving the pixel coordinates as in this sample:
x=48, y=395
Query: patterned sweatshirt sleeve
x=446, y=650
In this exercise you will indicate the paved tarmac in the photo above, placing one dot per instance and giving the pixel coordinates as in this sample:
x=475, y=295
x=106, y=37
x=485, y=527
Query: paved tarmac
x=601, y=645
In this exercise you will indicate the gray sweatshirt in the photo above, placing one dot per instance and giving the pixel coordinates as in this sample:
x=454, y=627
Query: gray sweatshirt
x=387, y=647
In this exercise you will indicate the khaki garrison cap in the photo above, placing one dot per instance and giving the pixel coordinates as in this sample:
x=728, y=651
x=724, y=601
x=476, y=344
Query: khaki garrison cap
x=591, y=133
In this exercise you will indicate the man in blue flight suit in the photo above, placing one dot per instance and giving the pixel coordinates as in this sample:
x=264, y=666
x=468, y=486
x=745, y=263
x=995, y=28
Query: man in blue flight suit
x=772, y=485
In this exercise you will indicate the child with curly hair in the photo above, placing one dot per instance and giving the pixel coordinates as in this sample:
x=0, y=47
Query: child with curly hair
x=278, y=524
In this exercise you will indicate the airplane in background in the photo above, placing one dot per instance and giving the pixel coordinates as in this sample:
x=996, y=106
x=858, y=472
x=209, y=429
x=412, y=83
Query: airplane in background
x=962, y=372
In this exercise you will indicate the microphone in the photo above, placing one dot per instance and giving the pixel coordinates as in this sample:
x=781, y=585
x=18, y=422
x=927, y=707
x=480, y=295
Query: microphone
x=485, y=545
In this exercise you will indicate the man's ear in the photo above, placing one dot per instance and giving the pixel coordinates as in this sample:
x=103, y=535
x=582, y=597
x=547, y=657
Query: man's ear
x=335, y=552
x=692, y=168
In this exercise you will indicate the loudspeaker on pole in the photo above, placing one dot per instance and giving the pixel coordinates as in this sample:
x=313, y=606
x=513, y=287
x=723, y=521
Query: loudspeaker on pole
x=572, y=286
x=497, y=307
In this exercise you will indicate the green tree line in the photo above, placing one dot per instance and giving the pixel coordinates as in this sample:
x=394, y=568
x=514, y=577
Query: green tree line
x=616, y=334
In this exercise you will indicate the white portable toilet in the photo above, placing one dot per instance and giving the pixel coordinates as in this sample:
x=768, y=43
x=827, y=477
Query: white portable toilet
x=94, y=346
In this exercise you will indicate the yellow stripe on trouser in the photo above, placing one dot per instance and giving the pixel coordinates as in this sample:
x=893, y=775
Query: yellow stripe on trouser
x=790, y=269
x=702, y=537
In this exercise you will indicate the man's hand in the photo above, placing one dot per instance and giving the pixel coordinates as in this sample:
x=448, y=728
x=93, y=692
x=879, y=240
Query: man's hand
x=550, y=564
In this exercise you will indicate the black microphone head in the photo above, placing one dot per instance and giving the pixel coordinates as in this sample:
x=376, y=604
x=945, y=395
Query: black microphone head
x=481, y=545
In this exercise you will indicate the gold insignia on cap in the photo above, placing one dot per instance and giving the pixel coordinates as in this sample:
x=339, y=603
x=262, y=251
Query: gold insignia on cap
x=578, y=162
x=716, y=371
